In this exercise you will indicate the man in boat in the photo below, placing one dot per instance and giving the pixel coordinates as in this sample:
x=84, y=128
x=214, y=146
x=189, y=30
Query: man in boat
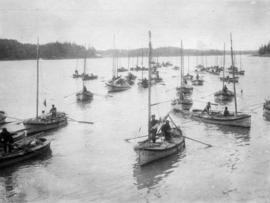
x=207, y=108
x=53, y=111
x=226, y=111
x=225, y=88
x=166, y=129
x=76, y=72
x=197, y=76
x=185, y=81
x=154, y=125
x=7, y=140
x=84, y=89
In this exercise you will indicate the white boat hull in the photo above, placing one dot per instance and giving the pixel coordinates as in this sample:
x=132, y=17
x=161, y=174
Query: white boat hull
x=241, y=120
x=148, y=156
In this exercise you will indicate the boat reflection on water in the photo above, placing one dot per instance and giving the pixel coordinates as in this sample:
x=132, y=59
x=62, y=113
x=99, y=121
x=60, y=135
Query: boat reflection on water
x=8, y=177
x=151, y=174
x=242, y=135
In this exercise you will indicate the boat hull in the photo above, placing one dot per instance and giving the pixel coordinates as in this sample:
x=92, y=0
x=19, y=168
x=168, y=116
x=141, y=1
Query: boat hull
x=147, y=156
x=115, y=88
x=241, y=120
x=19, y=157
x=39, y=125
x=84, y=96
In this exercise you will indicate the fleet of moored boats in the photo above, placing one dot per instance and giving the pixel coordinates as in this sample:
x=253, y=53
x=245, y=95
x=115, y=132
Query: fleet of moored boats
x=162, y=140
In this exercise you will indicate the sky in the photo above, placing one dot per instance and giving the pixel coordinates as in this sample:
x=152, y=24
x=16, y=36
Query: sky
x=201, y=24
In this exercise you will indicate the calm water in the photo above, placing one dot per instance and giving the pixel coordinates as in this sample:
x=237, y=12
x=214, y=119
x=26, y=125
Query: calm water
x=94, y=163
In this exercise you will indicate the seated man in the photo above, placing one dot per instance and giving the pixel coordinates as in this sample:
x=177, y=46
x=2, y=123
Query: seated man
x=154, y=125
x=207, y=108
x=166, y=129
x=226, y=112
x=225, y=88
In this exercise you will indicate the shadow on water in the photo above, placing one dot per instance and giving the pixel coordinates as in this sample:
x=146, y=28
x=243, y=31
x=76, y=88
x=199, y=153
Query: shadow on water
x=150, y=175
x=8, y=175
x=85, y=104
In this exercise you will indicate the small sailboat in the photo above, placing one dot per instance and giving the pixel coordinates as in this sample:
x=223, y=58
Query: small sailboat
x=76, y=72
x=143, y=82
x=198, y=81
x=2, y=117
x=184, y=86
x=225, y=94
x=84, y=95
x=236, y=119
x=188, y=76
x=266, y=108
x=33, y=148
x=45, y=122
x=149, y=151
x=130, y=77
x=181, y=103
x=86, y=76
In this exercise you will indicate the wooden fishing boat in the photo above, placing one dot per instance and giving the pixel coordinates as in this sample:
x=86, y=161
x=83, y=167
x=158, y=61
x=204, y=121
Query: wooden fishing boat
x=197, y=81
x=184, y=87
x=266, y=107
x=84, y=96
x=225, y=94
x=89, y=77
x=122, y=69
x=188, y=77
x=2, y=117
x=237, y=119
x=33, y=149
x=149, y=151
x=45, y=122
x=181, y=104
x=49, y=122
x=118, y=85
x=143, y=83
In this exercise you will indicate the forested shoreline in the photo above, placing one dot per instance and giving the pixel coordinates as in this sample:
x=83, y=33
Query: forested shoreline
x=14, y=50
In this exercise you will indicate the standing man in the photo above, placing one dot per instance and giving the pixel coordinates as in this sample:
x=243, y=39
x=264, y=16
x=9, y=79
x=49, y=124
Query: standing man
x=7, y=140
x=53, y=111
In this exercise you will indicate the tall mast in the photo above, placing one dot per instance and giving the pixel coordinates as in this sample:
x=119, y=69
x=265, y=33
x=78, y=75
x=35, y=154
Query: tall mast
x=142, y=63
x=182, y=64
x=240, y=60
x=84, y=65
x=188, y=63
x=128, y=59
x=235, y=101
x=149, y=82
x=113, y=58
x=223, y=66
x=37, y=94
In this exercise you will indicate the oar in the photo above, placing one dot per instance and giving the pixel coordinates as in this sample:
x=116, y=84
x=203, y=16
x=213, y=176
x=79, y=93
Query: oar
x=135, y=138
x=70, y=95
x=160, y=102
x=85, y=122
x=186, y=136
x=19, y=119
x=102, y=95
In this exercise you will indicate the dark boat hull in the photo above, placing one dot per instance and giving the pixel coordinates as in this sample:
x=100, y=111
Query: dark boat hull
x=21, y=156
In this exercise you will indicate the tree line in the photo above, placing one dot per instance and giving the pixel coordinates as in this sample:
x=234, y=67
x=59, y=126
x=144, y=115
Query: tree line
x=14, y=50
x=264, y=49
